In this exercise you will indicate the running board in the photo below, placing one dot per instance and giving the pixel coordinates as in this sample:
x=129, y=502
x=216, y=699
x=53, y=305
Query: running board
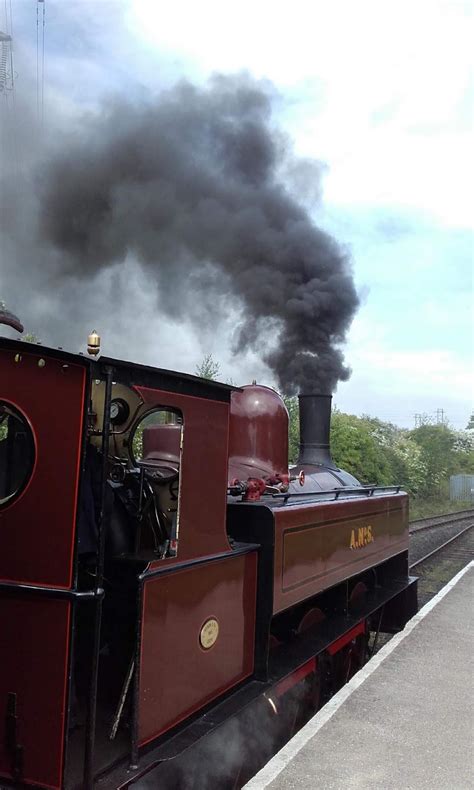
x=290, y=656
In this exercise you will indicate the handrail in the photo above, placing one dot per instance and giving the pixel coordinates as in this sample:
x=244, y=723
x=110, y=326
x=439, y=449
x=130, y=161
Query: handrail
x=336, y=492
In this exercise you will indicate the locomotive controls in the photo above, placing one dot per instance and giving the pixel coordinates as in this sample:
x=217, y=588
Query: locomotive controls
x=119, y=411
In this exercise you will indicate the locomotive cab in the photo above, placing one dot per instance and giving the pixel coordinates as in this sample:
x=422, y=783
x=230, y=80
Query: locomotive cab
x=125, y=551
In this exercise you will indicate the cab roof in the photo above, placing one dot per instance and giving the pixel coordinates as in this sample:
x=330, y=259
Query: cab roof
x=126, y=372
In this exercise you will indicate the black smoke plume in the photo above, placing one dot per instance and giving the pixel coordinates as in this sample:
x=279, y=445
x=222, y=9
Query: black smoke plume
x=193, y=186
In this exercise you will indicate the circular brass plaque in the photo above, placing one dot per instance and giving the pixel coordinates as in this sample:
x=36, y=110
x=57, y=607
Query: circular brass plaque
x=209, y=633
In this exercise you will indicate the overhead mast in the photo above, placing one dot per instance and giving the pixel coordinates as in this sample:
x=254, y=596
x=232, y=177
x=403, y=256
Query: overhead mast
x=6, y=80
x=8, y=140
x=7, y=76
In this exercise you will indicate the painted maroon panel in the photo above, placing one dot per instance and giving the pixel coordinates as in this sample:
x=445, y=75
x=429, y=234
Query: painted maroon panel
x=37, y=529
x=258, y=435
x=202, y=530
x=33, y=658
x=177, y=676
x=317, y=546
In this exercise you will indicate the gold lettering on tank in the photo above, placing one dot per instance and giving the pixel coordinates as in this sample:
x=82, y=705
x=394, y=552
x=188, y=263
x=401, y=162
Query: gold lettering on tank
x=361, y=537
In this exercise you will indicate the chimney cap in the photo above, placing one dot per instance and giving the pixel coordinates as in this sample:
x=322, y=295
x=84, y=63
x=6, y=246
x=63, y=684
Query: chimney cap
x=315, y=395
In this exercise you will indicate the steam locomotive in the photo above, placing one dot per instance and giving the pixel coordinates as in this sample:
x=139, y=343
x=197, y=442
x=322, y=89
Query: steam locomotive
x=163, y=572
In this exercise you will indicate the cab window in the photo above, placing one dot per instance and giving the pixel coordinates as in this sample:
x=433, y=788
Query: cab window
x=156, y=448
x=17, y=453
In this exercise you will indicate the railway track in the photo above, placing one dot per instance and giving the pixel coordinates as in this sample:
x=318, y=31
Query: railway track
x=428, y=542
x=431, y=535
x=420, y=524
x=439, y=550
x=430, y=554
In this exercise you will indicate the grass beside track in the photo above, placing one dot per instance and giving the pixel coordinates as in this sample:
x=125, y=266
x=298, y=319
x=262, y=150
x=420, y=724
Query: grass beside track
x=424, y=508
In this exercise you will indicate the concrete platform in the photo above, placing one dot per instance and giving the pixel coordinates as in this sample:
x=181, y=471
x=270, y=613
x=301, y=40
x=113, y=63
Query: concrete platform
x=405, y=721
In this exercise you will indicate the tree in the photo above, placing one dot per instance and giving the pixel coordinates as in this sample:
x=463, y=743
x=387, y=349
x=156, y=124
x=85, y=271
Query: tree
x=291, y=403
x=410, y=466
x=355, y=449
x=208, y=369
x=470, y=425
x=437, y=443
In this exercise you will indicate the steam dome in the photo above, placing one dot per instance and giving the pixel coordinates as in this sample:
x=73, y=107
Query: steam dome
x=258, y=438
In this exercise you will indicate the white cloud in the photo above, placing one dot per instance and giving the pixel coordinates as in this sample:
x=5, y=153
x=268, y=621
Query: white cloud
x=394, y=381
x=378, y=90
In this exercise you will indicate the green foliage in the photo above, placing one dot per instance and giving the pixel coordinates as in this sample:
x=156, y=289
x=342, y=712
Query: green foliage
x=291, y=403
x=208, y=369
x=421, y=461
x=436, y=443
x=354, y=447
x=433, y=506
x=137, y=442
x=410, y=468
x=3, y=424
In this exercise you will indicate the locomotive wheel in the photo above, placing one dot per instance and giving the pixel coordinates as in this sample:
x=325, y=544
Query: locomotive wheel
x=312, y=617
x=356, y=657
x=313, y=695
x=313, y=692
x=274, y=642
x=307, y=700
x=346, y=662
x=358, y=596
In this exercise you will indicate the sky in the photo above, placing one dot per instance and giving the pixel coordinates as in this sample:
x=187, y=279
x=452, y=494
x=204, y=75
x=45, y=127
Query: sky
x=380, y=94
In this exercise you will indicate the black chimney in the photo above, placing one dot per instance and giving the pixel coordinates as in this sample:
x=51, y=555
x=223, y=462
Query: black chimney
x=315, y=422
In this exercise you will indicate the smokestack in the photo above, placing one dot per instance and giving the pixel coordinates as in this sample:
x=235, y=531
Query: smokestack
x=315, y=423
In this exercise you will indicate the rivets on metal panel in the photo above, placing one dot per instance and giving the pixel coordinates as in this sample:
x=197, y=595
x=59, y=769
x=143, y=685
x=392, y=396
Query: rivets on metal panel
x=41, y=363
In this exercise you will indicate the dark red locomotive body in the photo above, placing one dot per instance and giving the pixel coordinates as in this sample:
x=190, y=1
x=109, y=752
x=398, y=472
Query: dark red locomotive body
x=161, y=568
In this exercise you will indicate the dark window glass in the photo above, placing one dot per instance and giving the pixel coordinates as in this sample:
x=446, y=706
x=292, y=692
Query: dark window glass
x=156, y=448
x=17, y=453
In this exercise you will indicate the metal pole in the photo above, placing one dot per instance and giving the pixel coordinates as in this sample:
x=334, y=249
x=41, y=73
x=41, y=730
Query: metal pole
x=92, y=702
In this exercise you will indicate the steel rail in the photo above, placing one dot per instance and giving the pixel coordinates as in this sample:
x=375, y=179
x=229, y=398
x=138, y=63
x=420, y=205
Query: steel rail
x=439, y=548
x=444, y=521
x=444, y=517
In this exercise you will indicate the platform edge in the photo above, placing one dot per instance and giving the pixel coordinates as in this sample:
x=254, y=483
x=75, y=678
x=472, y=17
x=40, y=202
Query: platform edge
x=279, y=762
